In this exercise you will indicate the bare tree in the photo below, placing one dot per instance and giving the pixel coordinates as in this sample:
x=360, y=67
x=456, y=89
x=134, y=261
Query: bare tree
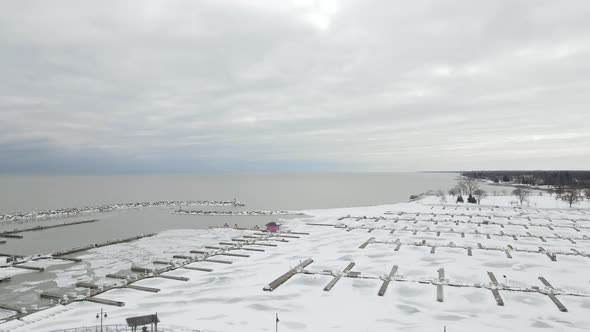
x=479, y=195
x=522, y=194
x=453, y=192
x=587, y=194
x=469, y=185
x=571, y=196
x=441, y=195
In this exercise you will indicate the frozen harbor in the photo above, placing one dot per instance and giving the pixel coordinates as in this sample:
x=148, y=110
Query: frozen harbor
x=464, y=267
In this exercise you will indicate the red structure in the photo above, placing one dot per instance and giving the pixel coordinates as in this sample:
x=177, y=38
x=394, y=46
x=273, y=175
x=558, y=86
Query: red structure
x=272, y=227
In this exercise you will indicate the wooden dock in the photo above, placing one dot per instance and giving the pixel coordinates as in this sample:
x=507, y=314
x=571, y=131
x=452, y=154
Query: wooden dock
x=165, y=276
x=233, y=255
x=252, y=249
x=264, y=244
x=51, y=296
x=11, y=308
x=117, y=276
x=387, y=280
x=141, y=269
x=11, y=255
x=11, y=236
x=34, y=268
x=280, y=280
x=497, y=297
x=338, y=277
x=493, y=278
x=194, y=268
x=98, y=245
x=220, y=261
x=39, y=228
x=142, y=288
x=182, y=257
x=71, y=259
x=366, y=243
x=83, y=284
x=439, y=293
x=558, y=303
x=105, y=301
x=545, y=282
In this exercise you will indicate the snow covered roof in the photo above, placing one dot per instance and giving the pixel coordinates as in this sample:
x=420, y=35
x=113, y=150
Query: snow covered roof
x=142, y=320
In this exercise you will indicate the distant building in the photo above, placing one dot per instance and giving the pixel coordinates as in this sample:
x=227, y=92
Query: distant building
x=272, y=227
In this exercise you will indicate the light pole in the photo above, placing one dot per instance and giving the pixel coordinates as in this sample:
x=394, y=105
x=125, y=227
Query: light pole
x=101, y=315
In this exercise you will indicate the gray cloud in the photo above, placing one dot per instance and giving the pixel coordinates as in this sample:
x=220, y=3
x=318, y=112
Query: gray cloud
x=287, y=85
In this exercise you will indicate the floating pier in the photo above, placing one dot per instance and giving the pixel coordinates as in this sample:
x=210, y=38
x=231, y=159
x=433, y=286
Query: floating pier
x=162, y=262
x=220, y=261
x=545, y=282
x=40, y=228
x=11, y=255
x=439, y=293
x=71, y=259
x=173, y=277
x=386, y=282
x=558, y=303
x=338, y=277
x=233, y=255
x=194, y=268
x=105, y=301
x=182, y=257
x=280, y=280
x=252, y=249
x=117, y=276
x=11, y=308
x=366, y=243
x=142, y=288
x=264, y=244
x=34, y=268
x=51, y=296
x=11, y=236
x=98, y=245
x=141, y=269
x=87, y=285
x=497, y=297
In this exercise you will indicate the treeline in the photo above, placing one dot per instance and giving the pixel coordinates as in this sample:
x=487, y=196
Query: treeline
x=557, y=179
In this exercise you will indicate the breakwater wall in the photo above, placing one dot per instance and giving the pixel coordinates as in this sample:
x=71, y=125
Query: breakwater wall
x=68, y=212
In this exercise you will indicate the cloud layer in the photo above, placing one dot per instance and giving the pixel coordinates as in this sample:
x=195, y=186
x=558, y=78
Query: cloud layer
x=293, y=85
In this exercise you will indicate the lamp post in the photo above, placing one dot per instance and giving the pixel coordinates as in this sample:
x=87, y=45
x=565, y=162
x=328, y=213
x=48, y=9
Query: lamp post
x=101, y=315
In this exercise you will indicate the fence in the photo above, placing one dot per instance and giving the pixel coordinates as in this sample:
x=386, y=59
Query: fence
x=118, y=328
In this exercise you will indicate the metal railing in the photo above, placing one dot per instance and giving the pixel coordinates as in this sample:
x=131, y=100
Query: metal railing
x=105, y=328
x=118, y=328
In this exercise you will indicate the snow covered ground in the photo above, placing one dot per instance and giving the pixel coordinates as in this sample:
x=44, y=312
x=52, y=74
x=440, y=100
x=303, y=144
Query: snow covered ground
x=521, y=243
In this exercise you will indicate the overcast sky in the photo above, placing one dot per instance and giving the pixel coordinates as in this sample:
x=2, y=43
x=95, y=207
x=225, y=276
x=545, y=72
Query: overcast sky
x=253, y=85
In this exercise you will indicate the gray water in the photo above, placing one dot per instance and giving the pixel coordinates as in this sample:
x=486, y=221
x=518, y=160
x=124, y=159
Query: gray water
x=258, y=191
